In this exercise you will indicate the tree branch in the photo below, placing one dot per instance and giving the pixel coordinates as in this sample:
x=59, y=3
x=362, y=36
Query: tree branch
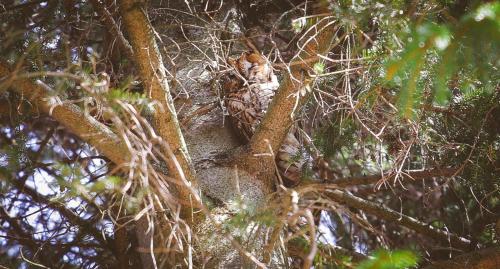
x=152, y=71
x=26, y=238
x=113, y=28
x=409, y=175
x=61, y=208
x=71, y=116
x=386, y=213
x=279, y=117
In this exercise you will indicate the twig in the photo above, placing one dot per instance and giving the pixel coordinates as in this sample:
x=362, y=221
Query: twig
x=388, y=214
x=71, y=116
x=114, y=30
x=408, y=175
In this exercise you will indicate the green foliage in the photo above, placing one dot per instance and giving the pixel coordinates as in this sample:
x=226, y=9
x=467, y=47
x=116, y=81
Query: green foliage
x=362, y=14
x=123, y=94
x=333, y=137
x=440, y=52
x=423, y=49
x=247, y=214
x=299, y=24
x=340, y=262
x=474, y=128
x=407, y=70
x=319, y=68
x=469, y=136
x=107, y=183
x=72, y=180
x=385, y=259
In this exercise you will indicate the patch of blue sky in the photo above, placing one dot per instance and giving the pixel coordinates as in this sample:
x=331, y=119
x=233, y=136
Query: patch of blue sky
x=43, y=183
x=325, y=229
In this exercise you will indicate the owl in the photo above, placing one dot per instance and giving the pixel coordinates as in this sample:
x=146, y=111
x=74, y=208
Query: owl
x=248, y=91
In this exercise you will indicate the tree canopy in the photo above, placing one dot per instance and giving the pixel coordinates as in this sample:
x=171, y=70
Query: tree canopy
x=117, y=148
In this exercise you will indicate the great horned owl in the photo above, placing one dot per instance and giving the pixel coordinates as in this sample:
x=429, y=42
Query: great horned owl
x=248, y=92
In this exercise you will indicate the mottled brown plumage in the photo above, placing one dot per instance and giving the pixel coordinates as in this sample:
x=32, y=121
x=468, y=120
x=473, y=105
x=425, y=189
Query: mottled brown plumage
x=246, y=110
x=248, y=92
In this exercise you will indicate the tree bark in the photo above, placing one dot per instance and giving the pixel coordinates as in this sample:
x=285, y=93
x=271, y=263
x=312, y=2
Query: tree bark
x=153, y=74
x=279, y=117
x=72, y=117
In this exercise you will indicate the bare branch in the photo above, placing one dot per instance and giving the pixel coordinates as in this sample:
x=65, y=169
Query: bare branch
x=386, y=213
x=408, y=175
x=113, y=28
x=61, y=208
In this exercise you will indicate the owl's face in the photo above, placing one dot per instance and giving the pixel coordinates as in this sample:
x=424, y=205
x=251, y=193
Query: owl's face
x=257, y=70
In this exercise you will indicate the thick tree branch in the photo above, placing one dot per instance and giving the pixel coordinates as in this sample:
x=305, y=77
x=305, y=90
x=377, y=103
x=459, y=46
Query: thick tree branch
x=482, y=259
x=72, y=117
x=276, y=124
x=152, y=71
x=279, y=117
x=386, y=213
